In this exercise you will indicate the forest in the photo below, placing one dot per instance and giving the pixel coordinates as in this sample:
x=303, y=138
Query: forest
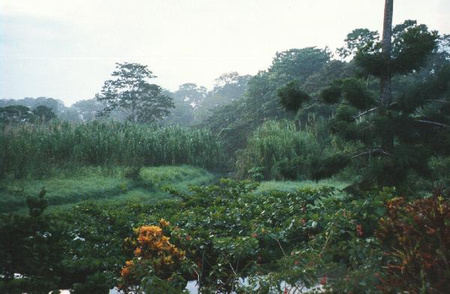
x=327, y=172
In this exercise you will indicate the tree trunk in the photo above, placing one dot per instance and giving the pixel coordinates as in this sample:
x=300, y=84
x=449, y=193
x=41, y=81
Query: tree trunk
x=387, y=143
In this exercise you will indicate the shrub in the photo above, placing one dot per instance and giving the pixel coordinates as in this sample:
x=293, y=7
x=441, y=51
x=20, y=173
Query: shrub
x=416, y=238
x=278, y=151
x=155, y=259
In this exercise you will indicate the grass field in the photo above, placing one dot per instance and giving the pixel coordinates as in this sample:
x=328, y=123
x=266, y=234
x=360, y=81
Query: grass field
x=67, y=187
x=290, y=186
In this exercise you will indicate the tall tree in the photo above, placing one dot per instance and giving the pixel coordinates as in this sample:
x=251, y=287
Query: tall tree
x=229, y=87
x=43, y=114
x=387, y=143
x=397, y=131
x=87, y=110
x=15, y=114
x=131, y=93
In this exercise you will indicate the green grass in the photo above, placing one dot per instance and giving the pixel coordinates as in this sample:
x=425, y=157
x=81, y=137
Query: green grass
x=290, y=186
x=178, y=177
x=68, y=187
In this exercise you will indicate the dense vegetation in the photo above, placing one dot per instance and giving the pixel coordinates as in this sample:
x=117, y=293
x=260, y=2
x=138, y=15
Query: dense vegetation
x=34, y=149
x=278, y=241
x=123, y=190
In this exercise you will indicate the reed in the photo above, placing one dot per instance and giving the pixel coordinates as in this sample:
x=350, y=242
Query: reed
x=31, y=149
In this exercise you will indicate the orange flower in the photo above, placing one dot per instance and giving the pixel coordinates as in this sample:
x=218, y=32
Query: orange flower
x=125, y=272
x=164, y=223
x=129, y=263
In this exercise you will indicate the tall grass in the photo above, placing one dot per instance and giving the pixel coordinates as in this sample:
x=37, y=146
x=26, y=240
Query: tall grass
x=277, y=150
x=29, y=148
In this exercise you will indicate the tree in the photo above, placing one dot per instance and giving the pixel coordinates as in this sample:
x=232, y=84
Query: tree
x=188, y=99
x=398, y=114
x=33, y=248
x=43, y=114
x=387, y=140
x=131, y=93
x=15, y=114
x=88, y=109
x=192, y=94
x=229, y=87
x=235, y=120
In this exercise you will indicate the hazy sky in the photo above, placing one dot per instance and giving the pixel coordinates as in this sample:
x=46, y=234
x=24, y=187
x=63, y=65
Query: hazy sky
x=66, y=49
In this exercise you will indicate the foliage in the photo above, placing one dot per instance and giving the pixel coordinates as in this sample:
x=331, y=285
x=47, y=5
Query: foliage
x=292, y=97
x=279, y=151
x=228, y=88
x=276, y=241
x=29, y=149
x=183, y=113
x=31, y=250
x=194, y=104
x=155, y=258
x=57, y=106
x=132, y=94
x=360, y=40
x=88, y=110
x=292, y=186
x=66, y=186
x=44, y=114
x=439, y=167
x=296, y=237
x=235, y=122
x=15, y=114
x=398, y=137
x=416, y=238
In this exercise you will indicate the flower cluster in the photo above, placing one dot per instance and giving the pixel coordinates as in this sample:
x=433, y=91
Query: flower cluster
x=153, y=244
x=154, y=253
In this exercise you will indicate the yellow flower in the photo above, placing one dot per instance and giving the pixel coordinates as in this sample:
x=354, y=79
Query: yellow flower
x=164, y=223
x=167, y=260
x=137, y=252
x=150, y=230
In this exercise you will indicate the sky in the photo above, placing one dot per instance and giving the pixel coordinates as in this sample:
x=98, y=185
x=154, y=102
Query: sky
x=66, y=49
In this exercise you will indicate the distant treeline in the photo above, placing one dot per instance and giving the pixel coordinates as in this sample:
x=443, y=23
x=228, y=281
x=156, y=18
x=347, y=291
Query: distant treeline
x=193, y=103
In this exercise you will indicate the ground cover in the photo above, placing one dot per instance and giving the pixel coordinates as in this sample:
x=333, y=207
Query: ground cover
x=66, y=187
x=291, y=186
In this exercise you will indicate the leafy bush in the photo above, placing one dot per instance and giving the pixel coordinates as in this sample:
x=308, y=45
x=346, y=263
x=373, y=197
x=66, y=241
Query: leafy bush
x=416, y=238
x=299, y=238
x=31, y=250
x=155, y=259
x=278, y=151
x=234, y=238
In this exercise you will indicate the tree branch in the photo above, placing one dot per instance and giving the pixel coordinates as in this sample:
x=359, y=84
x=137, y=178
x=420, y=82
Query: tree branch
x=373, y=151
x=438, y=100
x=433, y=123
x=365, y=112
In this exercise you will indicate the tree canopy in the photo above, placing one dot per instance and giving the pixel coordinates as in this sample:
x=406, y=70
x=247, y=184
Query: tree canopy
x=397, y=135
x=131, y=93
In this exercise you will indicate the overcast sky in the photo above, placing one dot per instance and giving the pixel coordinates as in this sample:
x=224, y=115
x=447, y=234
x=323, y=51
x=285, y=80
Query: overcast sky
x=66, y=49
